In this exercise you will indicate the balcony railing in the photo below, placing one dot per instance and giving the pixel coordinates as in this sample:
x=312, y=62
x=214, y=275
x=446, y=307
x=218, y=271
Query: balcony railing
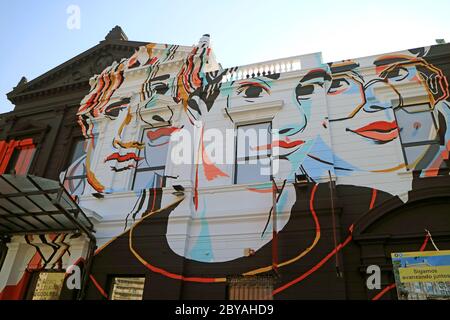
x=272, y=66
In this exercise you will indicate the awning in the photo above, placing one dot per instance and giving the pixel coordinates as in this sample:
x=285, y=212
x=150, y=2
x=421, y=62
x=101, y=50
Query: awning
x=34, y=205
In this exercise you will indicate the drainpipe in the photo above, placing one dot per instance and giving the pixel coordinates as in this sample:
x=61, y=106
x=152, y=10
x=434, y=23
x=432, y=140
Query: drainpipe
x=337, y=264
x=274, y=228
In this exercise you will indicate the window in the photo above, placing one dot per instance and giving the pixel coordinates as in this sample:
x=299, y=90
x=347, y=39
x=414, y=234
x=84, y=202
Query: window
x=253, y=151
x=127, y=288
x=150, y=171
x=418, y=134
x=75, y=178
x=20, y=160
x=250, y=288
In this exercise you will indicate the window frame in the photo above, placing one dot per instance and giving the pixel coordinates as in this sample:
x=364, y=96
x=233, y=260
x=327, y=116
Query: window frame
x=10, y=147
x=152, y=169
x=75, y=141
x=12, y=161
x=405, y=145
x=257, y=157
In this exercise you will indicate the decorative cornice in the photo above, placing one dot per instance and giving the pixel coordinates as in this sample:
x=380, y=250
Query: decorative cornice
x=254, y=112
x=49, y=90
x=31, y=131
x=70, y=64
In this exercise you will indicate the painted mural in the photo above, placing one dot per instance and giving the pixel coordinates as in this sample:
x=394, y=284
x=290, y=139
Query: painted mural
x=360, y=121
x=53, y=252
x=373, y=125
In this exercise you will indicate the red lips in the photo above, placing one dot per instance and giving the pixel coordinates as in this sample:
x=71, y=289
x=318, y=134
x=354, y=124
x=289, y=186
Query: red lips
x=281, y=144
x=123, y=158
x=381, y=131
x=161, y=132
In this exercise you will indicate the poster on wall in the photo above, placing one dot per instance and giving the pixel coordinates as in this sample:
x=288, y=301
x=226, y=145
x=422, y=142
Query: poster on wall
x=422, y=275
x=49, y=285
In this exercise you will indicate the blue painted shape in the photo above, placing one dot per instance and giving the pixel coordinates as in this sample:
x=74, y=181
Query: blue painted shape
x=202, y=250
x=317, y=169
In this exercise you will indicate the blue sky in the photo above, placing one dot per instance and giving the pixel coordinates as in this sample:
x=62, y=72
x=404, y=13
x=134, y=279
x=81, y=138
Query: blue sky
x=35, y=37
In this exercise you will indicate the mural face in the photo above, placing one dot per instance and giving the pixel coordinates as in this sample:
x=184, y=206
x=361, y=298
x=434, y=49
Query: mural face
x=296, y=140
x=206, y=247
x=302, y=136
x=116, y=112
x=369, y=122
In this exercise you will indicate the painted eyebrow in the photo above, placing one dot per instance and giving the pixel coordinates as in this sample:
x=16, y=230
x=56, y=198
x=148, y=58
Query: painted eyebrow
x=389, y=60
x=257, y=80
x=159, y=78
x=344, y=68
x=117, y=104
x=316, y=74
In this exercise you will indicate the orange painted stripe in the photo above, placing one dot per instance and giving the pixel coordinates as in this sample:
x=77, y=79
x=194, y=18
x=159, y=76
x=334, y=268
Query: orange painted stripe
x=374, y=197
x=304, y=252
x=98, y=286
x=162, y=271
x=398, y=167
x=383, y=292
x=315, y=268
x=260, y=190
x=221, y=279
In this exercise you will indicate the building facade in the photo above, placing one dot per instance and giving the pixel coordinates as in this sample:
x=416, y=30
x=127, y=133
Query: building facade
x=283, y=179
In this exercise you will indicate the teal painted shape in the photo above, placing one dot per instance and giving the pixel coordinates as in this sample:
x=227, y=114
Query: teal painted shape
x=202, y=250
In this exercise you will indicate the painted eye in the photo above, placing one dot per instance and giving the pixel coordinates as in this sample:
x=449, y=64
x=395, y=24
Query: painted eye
x=397, y=74
x=160, y=87
x=112, y=111
x=303, y=92
x=338, y=85
x=252, y=90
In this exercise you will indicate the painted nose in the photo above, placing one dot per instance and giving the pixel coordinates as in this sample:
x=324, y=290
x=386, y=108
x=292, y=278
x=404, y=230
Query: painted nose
x=121, y=124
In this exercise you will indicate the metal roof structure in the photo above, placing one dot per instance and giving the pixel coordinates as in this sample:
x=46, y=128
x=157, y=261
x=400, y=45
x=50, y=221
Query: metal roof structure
x=35, y=205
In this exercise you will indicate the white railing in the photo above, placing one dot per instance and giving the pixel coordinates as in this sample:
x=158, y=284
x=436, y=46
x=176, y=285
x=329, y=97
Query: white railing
x=273, y=66
x=295, y=63
x=263, y=68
